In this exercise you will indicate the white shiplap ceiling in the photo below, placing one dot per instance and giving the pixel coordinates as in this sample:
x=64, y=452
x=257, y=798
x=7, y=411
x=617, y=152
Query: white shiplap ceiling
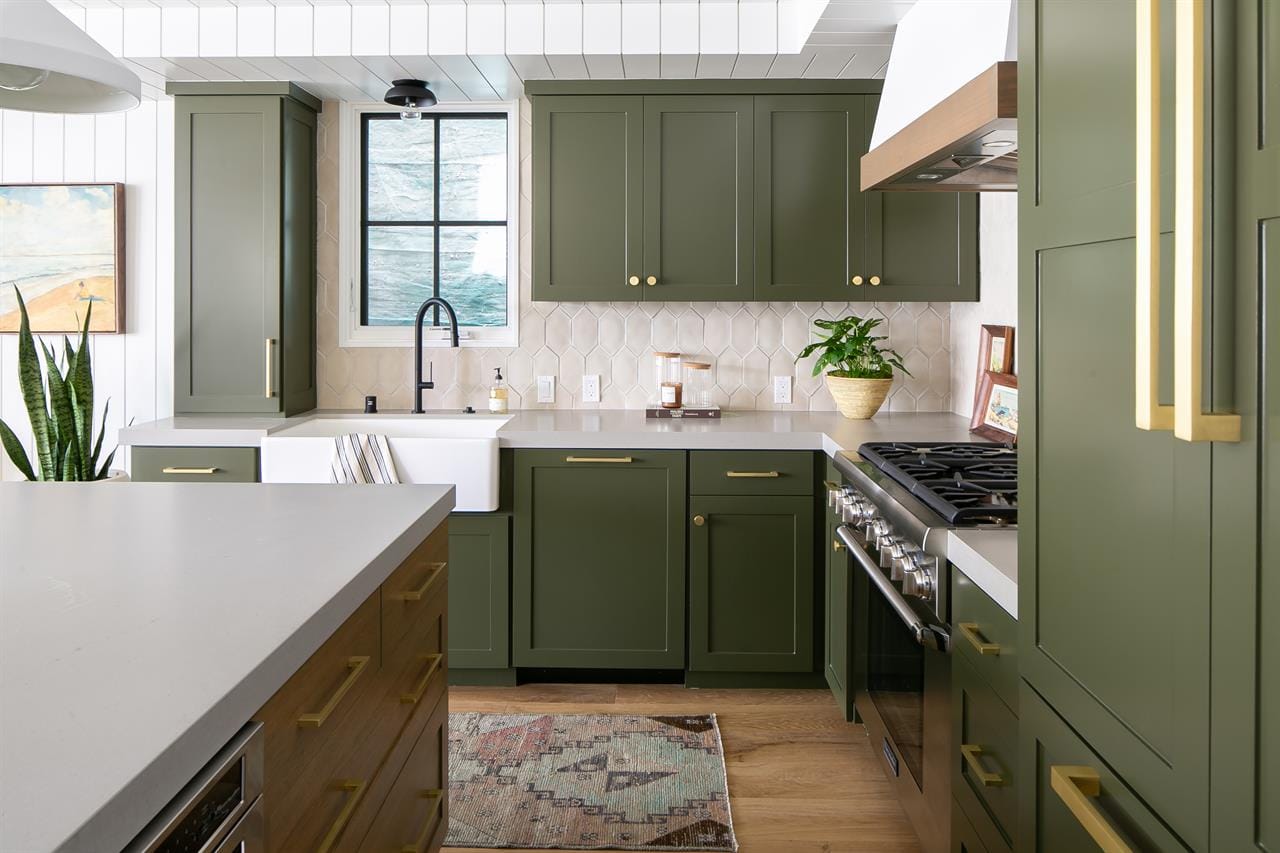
x=486, y=49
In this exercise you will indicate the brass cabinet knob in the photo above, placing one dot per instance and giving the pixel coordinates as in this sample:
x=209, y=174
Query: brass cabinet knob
x=875, y=281
x=651, y=280
x=634, y=281
x=837, y=545
x=856, y=281
x=699, y=520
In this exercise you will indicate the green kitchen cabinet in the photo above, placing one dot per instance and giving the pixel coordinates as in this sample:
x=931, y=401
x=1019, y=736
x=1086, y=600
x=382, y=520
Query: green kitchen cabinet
x=599, y=568
x=837, y=599
x=149, y=464
x=964, y=838
x=244, y=248
x=751, y=583
x=479, y=591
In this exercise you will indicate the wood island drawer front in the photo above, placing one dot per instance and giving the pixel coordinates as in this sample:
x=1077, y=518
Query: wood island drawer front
x=415, y=814
x=194, y=464
x=418, y=582
x=986, y=636
x=751, y=472
x=416, y=667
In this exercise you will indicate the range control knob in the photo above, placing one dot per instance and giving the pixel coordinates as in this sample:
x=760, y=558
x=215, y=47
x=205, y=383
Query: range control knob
x=918, y=577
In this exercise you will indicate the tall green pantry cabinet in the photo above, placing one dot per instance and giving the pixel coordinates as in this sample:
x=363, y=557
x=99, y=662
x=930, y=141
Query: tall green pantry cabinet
x=244, y=248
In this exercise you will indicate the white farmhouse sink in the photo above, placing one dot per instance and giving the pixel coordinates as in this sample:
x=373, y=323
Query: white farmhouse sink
x=461, y=450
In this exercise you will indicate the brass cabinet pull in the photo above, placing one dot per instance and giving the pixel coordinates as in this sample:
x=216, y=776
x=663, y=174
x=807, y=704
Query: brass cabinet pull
x=856, y=281
x=436, y=796
x=768, y=475
x=634, y=281
x=174, y=469
x=355, y=789
x=619, y=459
x=269, y=391
x=875, y=281
x=1077, y=787
x=417, y=594
x=971, y=753
x=651, y=280
x=420, y=689
x=699, y=520
x=357, y=664
x=837, y=545
x=975, y=638
x=1190, y=422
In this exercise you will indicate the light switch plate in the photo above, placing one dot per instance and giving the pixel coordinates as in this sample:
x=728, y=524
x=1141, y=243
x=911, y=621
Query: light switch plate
x=782, y=389
x=546, y=389
x=591, y=388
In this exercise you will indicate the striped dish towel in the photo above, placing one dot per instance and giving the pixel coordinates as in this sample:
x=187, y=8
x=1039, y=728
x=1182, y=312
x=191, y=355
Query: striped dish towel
x=362, y=458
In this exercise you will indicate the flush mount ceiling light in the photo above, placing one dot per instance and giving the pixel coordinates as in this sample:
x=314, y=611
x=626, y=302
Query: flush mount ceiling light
x=411, y=96
x=49, y=65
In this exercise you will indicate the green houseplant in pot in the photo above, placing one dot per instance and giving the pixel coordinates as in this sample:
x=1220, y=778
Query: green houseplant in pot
x=859, y=369
x=62, y=421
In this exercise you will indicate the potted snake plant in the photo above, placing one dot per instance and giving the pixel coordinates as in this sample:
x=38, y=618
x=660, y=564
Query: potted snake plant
x=62, y=421
x=859, y=369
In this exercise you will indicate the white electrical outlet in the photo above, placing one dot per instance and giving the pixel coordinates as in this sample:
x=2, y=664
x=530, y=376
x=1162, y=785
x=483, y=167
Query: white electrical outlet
x=782, y=389
x=591, y=388
x=546, y=389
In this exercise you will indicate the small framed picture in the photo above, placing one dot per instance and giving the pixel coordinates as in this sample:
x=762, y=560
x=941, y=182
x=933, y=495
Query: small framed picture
x=995, y=416
x=995, y=351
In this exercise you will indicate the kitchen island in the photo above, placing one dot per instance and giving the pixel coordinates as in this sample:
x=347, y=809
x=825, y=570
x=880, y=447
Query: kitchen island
x=143, y=624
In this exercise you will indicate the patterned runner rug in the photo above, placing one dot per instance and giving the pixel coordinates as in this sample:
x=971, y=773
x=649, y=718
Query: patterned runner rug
x=588, y=782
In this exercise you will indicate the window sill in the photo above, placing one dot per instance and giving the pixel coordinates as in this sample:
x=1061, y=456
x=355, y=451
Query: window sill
x=402, y=336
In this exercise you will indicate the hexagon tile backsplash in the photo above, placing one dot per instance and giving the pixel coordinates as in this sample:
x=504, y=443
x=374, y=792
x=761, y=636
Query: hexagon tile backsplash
x=747, y=343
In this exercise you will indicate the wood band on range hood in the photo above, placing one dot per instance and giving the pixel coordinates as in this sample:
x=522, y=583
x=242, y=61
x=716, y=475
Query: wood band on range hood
x=986, y=105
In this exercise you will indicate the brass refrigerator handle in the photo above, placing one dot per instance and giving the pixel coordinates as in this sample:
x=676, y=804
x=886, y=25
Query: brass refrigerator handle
x=1077, y=787
x=270, y=374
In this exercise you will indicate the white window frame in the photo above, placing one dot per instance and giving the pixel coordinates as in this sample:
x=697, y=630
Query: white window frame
x=350, y=173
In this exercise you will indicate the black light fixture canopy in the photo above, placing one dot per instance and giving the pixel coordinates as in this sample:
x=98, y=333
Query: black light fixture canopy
x=411, y=96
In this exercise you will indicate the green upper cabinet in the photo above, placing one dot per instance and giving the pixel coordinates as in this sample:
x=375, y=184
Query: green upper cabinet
x=698, y=218
x=599, y=577
x=809, y=215
x=245, y=243
x=587, y=198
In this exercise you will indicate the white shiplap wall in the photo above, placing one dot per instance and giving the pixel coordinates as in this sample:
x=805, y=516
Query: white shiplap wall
x=135, y=369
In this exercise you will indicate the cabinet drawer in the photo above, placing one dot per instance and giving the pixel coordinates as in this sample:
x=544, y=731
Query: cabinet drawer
x=416, y=666
x=756, y=472
x=964, y=838
x=415, y=814
x=194, y=464
x=411, y=588
x=985, y=761
x=985, y=636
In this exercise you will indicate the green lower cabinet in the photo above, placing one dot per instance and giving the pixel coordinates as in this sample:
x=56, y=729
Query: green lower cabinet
x=599, y=569
x=838, y=609
x=964, y=838
x=985, y=762
x=1068, y=799
x=751, y=583
x=193, y=464
x=479, y=591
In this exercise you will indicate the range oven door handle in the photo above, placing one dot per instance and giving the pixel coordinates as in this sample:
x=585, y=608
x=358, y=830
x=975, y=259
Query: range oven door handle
x=930, y=636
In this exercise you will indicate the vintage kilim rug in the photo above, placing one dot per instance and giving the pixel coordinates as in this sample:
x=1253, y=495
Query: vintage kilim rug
x=587, y=782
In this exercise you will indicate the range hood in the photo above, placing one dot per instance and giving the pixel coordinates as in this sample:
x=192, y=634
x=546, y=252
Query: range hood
x=948, y=116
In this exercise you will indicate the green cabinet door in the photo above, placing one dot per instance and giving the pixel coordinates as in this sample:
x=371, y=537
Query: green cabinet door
x=479, y=591
x=587, y=198
x=599, y=576
x=838, y=601
x=751, y=583
x=698, y=216
x=809, y=214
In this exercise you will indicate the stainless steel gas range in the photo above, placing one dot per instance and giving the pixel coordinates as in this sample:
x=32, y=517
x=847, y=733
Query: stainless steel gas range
x=897, y=504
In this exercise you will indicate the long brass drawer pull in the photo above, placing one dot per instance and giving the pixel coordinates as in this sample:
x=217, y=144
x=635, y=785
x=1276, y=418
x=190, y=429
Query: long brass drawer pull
x=623, y=460
x=420, y=689
x=355, y=789
x=1077, y=787
x=753, y=475
x=437, y=569
x=980, y=645
x=175, y=469
x=357, y=664
x=971, y=753
x=436, y=796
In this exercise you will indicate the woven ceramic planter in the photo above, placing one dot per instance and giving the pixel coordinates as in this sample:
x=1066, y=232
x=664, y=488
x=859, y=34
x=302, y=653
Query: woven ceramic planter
x=858, y=399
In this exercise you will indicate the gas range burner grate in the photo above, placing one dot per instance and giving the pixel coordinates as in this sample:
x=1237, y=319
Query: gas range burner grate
x=967, y=484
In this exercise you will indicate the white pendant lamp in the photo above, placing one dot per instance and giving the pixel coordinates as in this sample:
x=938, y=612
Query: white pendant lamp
x=49, y=65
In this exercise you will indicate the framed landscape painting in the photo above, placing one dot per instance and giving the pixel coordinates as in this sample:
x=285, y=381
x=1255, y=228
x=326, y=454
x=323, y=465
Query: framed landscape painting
x=62, y=245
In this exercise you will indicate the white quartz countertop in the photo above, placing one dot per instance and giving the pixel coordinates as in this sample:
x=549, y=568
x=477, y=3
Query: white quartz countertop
x=142, y=624
x=990, y=559
x=606, y=428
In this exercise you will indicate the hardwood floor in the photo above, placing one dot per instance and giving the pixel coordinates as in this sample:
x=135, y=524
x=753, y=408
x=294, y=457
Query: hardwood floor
x=801, y=779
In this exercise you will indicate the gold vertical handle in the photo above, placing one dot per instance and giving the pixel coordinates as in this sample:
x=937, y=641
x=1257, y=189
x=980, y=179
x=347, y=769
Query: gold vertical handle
x=972, y=756
x=1148, y=413
x=270, y=390
x=1078, y=787
x=1190, y=422
x=979, y=642
x=436, y=796
x=355, y=789
x=419, y=690
x=634, y=281
x=417, y=594
x=357, y=664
